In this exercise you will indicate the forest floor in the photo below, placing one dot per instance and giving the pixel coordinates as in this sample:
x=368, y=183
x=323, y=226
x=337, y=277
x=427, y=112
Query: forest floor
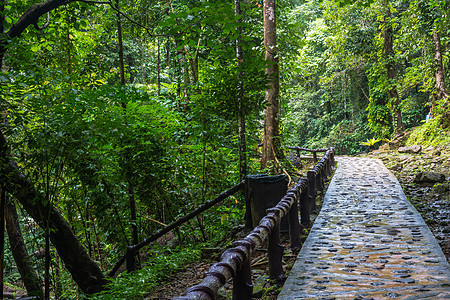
x=431, y=199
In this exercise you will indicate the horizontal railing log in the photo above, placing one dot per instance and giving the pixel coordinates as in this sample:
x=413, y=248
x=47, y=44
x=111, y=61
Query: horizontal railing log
x=235, y=262
x=313, y=151
x=131, y=252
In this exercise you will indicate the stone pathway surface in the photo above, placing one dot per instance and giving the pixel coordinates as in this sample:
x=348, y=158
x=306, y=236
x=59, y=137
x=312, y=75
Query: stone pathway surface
x=368, y=242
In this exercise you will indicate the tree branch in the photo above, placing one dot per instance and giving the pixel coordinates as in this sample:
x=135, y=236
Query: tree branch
x=32, y=15
x=45, y=25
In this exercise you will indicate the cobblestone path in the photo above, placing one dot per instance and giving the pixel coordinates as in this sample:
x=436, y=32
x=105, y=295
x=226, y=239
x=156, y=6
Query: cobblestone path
x=368, y=242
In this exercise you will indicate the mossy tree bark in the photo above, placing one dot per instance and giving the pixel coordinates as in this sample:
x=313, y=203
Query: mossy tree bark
x=20, y=253
x=271, y=142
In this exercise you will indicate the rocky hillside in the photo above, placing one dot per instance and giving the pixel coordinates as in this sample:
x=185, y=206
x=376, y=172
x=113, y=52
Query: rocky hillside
x=425, y=177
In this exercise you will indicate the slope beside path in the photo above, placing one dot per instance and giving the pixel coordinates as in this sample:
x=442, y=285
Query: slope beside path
x=368, y=242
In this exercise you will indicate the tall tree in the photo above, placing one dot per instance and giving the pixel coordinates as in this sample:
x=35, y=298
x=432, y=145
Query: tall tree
x=271, y=142
x=240, y=96
x=441, y=90
x=391, y=69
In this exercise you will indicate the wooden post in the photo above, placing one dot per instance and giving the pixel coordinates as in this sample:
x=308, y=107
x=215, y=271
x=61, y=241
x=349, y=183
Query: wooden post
x=312, y=189
x=318, y=180
x=315, y=156
x=328, y=166
x=305, y=199
x=294, y=226
x=242, y=281
x=275, y=249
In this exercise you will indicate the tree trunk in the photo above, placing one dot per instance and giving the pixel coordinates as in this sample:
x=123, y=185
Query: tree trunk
x=271, y=142
x=84, y=270
x=240, y=96
x=133, y=216
x=2, y=237
x=441, y=91
x=120, y=45
x=391, y=70
x=20, y=253
x=159, y=67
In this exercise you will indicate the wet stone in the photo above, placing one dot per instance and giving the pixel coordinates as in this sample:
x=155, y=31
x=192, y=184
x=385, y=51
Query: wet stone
x=406, y=280
x=392, y=295
x=350, y=265
x=322, y=281
x=370, y=274
x=402, y=271
x=402, y=276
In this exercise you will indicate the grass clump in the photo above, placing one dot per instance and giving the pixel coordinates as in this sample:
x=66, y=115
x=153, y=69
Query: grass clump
x=138, y=284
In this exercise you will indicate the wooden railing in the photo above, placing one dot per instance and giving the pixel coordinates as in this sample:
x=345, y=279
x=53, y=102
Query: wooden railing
x=313, y=151
x=235, y=261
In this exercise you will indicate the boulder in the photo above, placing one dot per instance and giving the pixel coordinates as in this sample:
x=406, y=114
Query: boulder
x=410, y=149
x=429, y=177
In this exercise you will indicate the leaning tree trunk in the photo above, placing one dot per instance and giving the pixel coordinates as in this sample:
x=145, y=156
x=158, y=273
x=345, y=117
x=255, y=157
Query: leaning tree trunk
x=271, y=142
x=20, y=253
x=84, y=270
x=391, y=70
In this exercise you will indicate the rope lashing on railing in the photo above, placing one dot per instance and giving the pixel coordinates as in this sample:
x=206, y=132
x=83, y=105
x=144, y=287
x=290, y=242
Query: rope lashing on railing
x=235, y=262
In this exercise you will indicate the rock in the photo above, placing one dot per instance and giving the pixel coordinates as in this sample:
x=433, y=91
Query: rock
x=441, y=188
x=397, y=167
x=437, y=152
x=410, y=149
x=405, y=158
x=429, y=148
x=429, y=177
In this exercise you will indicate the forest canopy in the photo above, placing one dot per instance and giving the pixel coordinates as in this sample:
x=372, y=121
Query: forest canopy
x=119, y=117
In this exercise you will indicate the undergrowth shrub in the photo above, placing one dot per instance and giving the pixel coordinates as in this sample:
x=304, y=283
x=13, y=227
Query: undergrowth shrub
x=430, y=133
x=136, y=285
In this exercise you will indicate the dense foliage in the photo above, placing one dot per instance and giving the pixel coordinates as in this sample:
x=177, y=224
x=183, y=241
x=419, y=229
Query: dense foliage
x=120, y=161
x=339, y=92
